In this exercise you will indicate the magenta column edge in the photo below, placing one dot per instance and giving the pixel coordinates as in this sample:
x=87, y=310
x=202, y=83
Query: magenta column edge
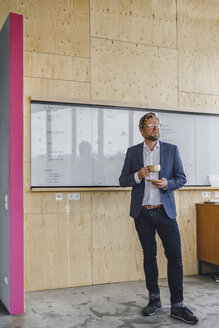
x=16, y=165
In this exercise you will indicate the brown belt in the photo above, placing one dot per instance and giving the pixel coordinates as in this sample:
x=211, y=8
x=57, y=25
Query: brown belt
x=149, y=207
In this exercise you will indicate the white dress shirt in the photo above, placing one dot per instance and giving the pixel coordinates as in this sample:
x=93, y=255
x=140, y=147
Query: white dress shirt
x=151, y=193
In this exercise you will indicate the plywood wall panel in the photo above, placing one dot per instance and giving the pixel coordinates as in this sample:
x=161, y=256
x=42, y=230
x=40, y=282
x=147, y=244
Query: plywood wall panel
x=114, y=238
x=133, y=73
x=199, y=102
x=27, y=183
x=148, y=22
x=198, y=47
x=57, y=67
x=113, y=265
x=187, y=225
x=198, y=73
x=58, y=27
x=57, y=250
x=56, y=88
x=67, y=29
x=27, y=133
x=45, y=202
x=3, y=12
x=198, y=26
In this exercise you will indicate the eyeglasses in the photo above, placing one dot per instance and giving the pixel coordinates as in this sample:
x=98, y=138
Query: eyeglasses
x=152, y=126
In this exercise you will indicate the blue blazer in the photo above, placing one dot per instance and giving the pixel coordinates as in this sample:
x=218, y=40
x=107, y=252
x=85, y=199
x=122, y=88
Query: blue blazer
x=171, y=169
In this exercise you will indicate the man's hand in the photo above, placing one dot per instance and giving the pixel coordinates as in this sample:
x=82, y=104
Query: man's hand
x=161, y=185
x=143, y=172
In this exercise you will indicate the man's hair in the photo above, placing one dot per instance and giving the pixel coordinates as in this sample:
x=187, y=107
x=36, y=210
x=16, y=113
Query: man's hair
x=145, y=118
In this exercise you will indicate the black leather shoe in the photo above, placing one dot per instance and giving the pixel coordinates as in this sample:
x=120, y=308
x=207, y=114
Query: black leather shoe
x=183, y=313
x=152, y=307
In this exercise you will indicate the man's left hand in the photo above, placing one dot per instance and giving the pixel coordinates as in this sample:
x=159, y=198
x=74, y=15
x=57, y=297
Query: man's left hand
x=161, y=185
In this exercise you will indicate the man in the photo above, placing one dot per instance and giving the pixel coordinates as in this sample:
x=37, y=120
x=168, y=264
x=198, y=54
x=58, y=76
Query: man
x=153, y=209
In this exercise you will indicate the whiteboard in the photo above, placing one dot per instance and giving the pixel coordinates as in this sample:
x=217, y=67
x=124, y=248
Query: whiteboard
x=75, y=145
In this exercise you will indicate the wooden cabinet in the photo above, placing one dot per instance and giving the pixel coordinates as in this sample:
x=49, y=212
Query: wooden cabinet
x=208, y=233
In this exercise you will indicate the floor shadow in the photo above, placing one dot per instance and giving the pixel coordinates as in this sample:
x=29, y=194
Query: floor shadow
x=3, y=310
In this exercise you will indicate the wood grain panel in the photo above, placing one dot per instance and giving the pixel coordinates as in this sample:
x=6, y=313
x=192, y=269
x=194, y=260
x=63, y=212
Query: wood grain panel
x=113, y=265
x=187, y=227
x=198, y=73
x=201, y=103
x=45, y=202
x=114, y=239
x=67, y=28
x=198, y=44
x=27, y=130
x=3, y=12
x=198, y=26
x=149, y=22
x=58, y=27
x=57, y=250
x=55, y=88
x=116, y=251
x=133, y=72
x=57, y=67
x=27, y=183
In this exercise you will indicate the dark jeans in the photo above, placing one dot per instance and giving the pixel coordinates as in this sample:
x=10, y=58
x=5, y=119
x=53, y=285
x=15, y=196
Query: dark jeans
x=147, y=223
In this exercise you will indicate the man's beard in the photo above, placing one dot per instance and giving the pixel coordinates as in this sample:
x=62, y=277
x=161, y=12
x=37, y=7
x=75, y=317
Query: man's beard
x=153, y=138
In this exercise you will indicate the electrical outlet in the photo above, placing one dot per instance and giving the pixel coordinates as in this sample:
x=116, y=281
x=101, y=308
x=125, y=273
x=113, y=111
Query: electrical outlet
x=206, y=194
x=74, y=196
x=59, y=197
x=216, y=194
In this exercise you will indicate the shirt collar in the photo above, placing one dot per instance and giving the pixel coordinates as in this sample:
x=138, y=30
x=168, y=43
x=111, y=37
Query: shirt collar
x=157, y=146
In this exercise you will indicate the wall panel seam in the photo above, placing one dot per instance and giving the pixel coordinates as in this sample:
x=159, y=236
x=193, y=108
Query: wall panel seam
x=130, y=42
x=200, y=93
x=49, y=78
x=55, y=54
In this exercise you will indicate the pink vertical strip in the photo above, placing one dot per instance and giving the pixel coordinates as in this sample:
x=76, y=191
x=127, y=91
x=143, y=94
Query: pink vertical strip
x=16, y=165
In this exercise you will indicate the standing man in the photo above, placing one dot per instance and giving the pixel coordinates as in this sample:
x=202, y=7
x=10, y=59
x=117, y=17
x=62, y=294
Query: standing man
x=153, y=209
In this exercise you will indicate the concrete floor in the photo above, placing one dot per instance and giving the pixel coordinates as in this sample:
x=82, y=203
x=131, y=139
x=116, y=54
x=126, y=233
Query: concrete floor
x=114, y=306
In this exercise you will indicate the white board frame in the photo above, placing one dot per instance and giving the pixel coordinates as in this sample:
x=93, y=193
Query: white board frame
x=181, y=131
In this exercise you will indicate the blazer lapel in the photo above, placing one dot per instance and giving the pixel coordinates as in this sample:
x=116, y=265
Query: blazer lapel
x=162, y=159
x=140, y=154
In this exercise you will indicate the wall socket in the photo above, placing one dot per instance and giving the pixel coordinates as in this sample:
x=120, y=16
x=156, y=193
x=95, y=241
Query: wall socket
x=59, y=196
x=216, y=194
x=74, y=196
x=206, y=194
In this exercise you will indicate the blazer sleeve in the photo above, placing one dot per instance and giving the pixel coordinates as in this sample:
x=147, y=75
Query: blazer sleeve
x=126, y=178
x=179, y=177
